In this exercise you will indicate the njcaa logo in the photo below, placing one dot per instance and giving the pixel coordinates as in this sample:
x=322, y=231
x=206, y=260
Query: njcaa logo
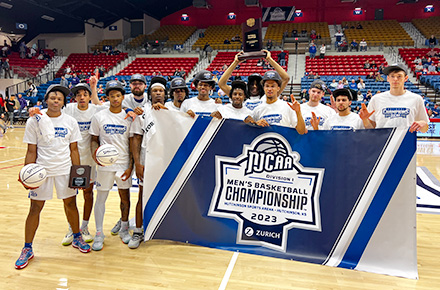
x=267, y=191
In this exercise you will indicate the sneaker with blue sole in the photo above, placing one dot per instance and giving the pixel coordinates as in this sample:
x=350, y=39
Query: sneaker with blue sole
x=79, y=244
x=25, y=256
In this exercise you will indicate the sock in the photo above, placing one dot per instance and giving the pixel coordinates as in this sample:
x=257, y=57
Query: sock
x=28, y=245
x=84, y=224
x=124, y=226
x=101, y=197
x=76, y=235
x=137, y=230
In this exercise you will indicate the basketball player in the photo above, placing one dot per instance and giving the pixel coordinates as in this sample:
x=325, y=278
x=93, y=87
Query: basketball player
x=235, y=110
x=254, y=80
x=323, y=112
x=141, y=130
x=397, y=107
x=83, y=112
x=345, y=119
x=133, y=101
x=202, y=104
x=111, y=127
x=277, y=112
x=57, y=157
x=179, y=92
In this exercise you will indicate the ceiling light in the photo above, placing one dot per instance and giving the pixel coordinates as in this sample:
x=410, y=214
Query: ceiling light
x=48, y=18
x=5, y=5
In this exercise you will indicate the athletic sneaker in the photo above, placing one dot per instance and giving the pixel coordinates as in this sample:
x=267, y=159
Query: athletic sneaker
x=115, y=230
x=98, y=242
x=79, y=244
x=88, y=238
x=135, y=240
x=68, y=238
x=125, y=236
x=23, y=261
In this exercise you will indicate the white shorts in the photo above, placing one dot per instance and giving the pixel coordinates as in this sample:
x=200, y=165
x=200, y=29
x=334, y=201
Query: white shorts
x=45, y=191
x=106, y=179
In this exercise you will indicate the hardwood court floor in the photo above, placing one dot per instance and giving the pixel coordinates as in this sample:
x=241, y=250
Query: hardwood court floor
x=164, y=264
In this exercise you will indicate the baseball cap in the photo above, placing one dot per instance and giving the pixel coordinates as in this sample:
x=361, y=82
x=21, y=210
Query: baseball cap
x=178, y=83
x=81, y=86
x=204, y=76
x=138, y=77
x=318, y=84
x=254, y=76
x=57, y=87
x=271, y=75
x=114, y=85
x=343, y=92
x=394, y=67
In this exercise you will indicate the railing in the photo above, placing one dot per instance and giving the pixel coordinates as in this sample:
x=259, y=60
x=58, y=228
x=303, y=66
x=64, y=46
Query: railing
x=23, y=86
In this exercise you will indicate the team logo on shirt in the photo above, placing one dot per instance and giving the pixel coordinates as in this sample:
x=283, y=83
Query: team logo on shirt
x=267, y=191
x=113, y=129
x=273, y=118
x=60, y=132
x=392, y=113
x=308, y=119
x=84, y=126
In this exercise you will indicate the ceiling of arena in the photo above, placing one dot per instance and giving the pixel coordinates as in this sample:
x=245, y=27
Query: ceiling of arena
x=69, y=15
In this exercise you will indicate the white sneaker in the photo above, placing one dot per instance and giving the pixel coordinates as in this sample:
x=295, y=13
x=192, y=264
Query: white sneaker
x=98, y=243
x=125, y=236
x=87, y=237
x=115, y=230
x=68, y=238
x=135, y=240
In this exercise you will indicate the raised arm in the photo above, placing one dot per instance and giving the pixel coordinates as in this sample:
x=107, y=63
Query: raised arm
x=222, y=83
x=279, y=69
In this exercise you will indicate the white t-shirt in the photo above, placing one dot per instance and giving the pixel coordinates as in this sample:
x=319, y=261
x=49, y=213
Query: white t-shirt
x=204, y=108
x=253, y=102
x=54, y=156
x=171, y=106
x=278, y=113
x=130, y=102
x=113, y=129
x=84, y=119
x=320, y=110
x=229, y=112
x=350, y=122
x=397, y=111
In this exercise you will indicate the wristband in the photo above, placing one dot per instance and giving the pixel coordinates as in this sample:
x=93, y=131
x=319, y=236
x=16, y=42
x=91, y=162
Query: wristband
x=128, y=110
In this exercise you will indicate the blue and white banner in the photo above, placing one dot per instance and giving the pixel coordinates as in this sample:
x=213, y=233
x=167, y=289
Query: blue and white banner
x=279, y=13
x=338, y=198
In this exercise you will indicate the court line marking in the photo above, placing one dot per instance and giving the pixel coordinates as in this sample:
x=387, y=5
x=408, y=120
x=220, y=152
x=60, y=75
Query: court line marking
x=10, y=166
x=228, y=272
x=11, y=160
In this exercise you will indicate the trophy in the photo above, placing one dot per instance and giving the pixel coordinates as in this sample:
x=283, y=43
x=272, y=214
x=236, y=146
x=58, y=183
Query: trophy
x=252, y=40
x=79, y=176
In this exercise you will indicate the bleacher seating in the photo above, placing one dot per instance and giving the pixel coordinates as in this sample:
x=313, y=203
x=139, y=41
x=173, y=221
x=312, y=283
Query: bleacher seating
x=343, y=64
x=275, y=31
x=32, y=66
x=428, y=26
x=378, y=32
x=409, y=54
x=166, y=65
x=173, y=34
x=111, y=42
x=246, y=68
x=87, y=62
x=216, y=35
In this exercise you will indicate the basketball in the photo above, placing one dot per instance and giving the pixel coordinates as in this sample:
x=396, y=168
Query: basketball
x=33, y=175
x=107, y=154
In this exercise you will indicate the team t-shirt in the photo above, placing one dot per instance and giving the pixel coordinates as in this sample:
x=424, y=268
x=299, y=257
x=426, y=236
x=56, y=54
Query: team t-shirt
x=113, y=129
x=204, y=108
x=277, y=113
x=130, y=102
x=171, y=106
x=54, y=156
x=320, y=110
x=253, y=102
x=350, y=122
x=229, y=112
x=84, y=119
x=397, y=111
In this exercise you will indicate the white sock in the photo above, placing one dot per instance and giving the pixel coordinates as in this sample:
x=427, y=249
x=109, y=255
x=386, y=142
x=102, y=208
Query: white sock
x=124, y=226
x=84, y=224
x=137, y=230
x=101, y=197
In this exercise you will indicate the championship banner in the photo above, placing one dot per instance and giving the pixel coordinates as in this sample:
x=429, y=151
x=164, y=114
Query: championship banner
x=337, y=198
x=279, y=13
